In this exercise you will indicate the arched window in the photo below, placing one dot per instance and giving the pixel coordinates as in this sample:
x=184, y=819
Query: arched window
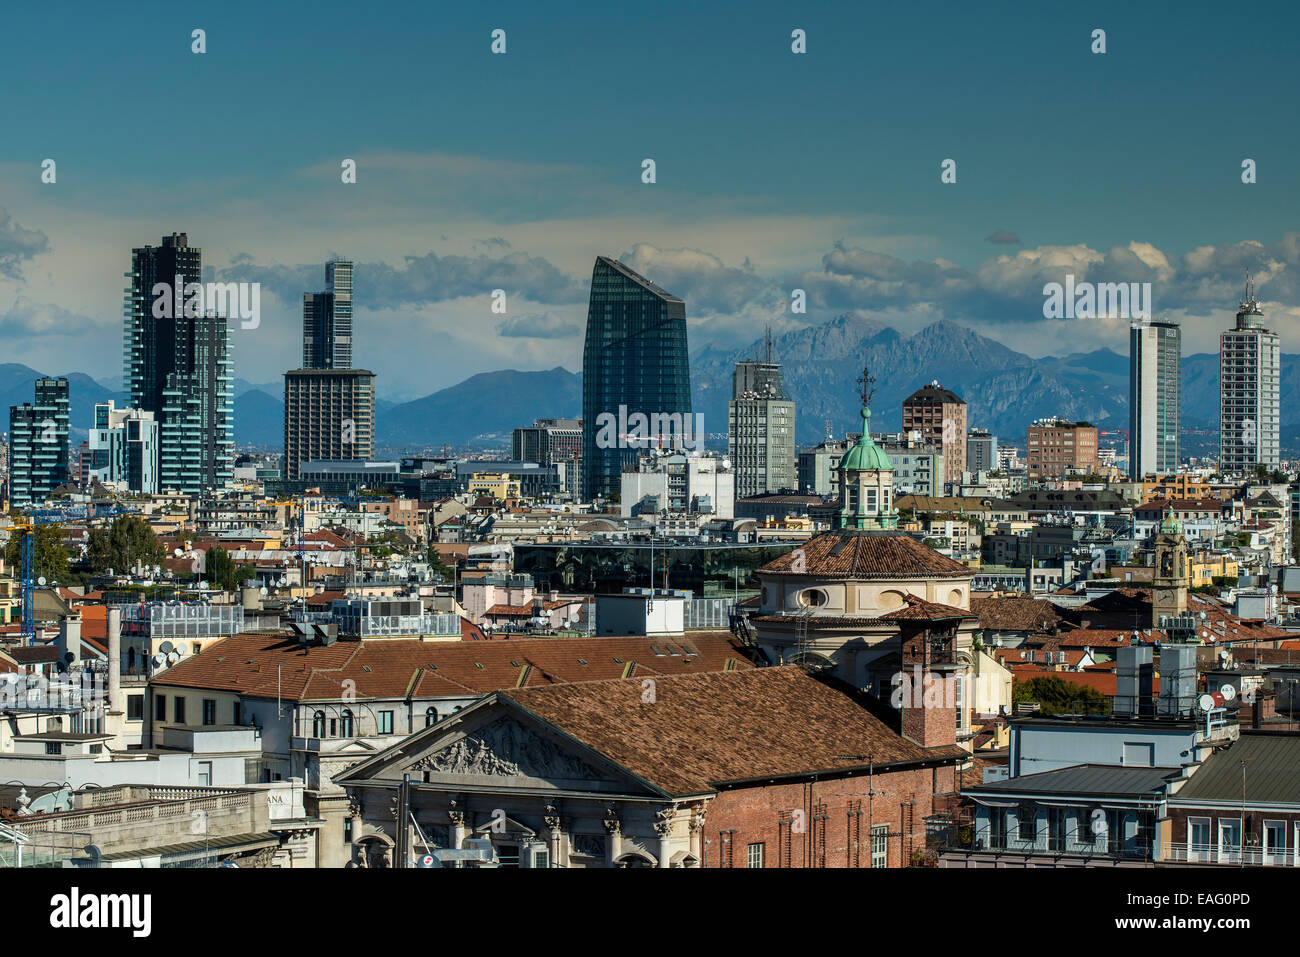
x=346, y=729
x=318, y=724
x=430, y=716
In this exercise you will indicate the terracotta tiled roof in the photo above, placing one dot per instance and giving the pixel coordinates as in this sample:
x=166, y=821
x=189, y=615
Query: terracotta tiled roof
x=706, y=730
x=852, y=554
x=1016, y=614
x=394, y=668
x=918, y=609
x=509, y=611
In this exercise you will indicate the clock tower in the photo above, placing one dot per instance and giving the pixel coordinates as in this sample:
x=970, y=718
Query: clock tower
x=1169, y=583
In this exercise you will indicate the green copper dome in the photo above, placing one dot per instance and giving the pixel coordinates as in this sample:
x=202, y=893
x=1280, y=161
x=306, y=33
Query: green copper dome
x=866, y=455
x=1170, y=525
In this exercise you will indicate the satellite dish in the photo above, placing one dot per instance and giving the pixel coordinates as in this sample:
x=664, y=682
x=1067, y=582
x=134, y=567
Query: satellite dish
x=159, y=661
x=41, y=580
x=166, y=647
x=173, y=658
x=69, y=657
x=1205, y=702
x=1228, y=692
x=203, y=585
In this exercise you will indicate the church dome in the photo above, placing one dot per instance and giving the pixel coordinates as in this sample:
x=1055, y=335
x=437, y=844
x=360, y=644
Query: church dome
x=866, y=456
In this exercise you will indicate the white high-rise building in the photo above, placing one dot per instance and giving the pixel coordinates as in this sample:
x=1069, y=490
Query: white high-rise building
x=760, y=429
x=1154, y=357
x=1250, y=373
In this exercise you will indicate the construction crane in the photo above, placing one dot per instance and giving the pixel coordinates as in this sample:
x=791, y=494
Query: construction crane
x=300, y=503
x=27, y=551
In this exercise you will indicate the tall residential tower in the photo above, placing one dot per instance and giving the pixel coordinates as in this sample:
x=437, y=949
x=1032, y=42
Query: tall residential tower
x=327, y=320
x=1250, y=370
x=178, y=367
x=38, y=443
x=329, y=407
x=1154, y=356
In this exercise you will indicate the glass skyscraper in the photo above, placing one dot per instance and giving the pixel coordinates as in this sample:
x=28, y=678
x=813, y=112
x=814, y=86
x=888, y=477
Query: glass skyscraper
x=178, y=367
x=636, y=378
x=327, y=320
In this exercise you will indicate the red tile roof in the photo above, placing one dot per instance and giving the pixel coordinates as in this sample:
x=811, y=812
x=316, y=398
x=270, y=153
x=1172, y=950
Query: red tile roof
x=398, y=668
x=918, y=609
x=867, y=555
x=706, y=730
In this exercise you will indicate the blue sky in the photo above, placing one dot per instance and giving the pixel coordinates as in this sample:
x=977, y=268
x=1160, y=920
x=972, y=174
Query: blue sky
x=774, y=171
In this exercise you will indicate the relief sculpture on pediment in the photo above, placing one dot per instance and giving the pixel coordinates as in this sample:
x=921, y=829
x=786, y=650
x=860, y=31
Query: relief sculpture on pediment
x=507, y=748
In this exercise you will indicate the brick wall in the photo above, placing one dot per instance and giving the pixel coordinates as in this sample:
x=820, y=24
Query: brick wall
x=824, y=823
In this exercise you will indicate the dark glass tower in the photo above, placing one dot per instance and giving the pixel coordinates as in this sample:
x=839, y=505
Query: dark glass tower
x=38, y=443
x=178, y=367
x=634, y=364
x=327, y=320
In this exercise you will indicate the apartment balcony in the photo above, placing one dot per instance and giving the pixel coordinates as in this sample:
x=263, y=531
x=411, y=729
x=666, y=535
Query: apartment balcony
x=1230, y=855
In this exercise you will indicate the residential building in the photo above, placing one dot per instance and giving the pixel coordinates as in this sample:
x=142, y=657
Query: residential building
x=329, y=415
x=1250, y=371
x=636, y=381
x=1155, y=359
x=552, y=442
x=327, y=320
x=940, y=416
x=178, y=366
x=123, y=449
x=38, y=443
x=981, y=451
x=1057, y=448
x=678, y=484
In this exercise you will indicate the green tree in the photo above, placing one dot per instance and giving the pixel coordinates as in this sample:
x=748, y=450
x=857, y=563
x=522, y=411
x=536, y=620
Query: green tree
x=127, y=541
x=1057, y=695
x=51, y=556
x=221, y=571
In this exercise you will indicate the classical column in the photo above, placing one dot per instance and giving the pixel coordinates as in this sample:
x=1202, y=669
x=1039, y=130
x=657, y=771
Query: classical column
x=613, y=835
x=664, y=828
x=551, y=818
x=697, y=835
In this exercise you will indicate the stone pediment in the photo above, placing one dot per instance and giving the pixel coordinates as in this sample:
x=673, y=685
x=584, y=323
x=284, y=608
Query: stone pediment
x=507, y=748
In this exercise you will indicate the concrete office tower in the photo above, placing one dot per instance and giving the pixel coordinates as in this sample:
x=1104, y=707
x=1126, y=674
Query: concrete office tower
x=760, y=428
x=179, y=368
x=1250, y=372
x=1154, y=357
x=329, y=415
x=636, y=377
x=38, y=443
x=940, y=416
x=327, y=320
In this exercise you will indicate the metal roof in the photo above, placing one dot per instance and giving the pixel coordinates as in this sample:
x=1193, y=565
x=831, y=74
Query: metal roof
x=1100, y=780
x=1272, y=772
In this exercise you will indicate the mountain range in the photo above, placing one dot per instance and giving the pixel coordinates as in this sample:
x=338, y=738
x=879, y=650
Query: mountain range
x=1004, y=389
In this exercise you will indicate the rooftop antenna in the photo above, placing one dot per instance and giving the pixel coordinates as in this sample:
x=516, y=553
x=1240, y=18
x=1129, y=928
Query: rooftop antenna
x=767, y=357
